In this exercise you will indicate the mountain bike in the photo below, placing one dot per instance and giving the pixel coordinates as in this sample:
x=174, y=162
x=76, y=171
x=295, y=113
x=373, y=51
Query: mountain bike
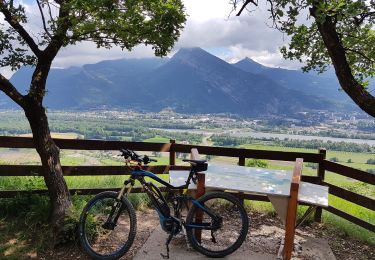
x=216, y=224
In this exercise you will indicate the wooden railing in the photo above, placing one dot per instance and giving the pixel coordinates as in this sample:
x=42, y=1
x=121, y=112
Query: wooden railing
x=172, y=148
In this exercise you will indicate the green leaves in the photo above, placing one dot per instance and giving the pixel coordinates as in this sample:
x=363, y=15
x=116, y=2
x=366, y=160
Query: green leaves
x=354, y=22
x=127, y=23
x=14, y=52
x=107, y=23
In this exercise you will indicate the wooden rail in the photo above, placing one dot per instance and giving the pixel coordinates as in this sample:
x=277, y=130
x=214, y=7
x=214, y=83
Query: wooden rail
x=36, y=170
x=349, y=172
x=172, y=148
x=77, y=144
x=351, y=218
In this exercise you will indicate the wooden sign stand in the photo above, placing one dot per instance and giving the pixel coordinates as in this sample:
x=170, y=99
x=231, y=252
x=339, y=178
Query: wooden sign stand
x=291, y=217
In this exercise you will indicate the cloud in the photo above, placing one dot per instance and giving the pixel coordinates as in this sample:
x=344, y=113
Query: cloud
x=87, y=52
x=210, y=25
x=250, y=31
x=267, y=58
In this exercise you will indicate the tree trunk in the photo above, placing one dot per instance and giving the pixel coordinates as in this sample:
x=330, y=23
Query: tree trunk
x=344, y=74
x=52, y=171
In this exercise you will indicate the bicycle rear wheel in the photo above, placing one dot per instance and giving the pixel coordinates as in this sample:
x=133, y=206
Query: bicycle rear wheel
x=231, y=225
x=107, y=226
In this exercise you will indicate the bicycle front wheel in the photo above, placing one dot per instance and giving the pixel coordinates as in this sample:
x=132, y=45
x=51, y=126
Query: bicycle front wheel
x=220, y=228
x=107, y=226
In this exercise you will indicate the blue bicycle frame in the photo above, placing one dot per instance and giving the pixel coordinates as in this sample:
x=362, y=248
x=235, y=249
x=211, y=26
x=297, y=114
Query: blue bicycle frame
x=158, y=199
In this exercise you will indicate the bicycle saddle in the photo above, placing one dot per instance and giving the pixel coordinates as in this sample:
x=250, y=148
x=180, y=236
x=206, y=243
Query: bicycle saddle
x=195, y=161
x=197, y=165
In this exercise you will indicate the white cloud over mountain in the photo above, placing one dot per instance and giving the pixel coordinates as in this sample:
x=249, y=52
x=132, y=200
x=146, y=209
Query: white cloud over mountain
x=210, y=25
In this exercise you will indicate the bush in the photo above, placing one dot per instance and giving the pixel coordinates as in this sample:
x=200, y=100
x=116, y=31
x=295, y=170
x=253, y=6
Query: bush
x=313, y=166
x=350, y=161
x=370, y=161
x=257, y=163
x=334, y=159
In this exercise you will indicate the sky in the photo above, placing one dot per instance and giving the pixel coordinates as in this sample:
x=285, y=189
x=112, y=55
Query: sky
x=210, y=25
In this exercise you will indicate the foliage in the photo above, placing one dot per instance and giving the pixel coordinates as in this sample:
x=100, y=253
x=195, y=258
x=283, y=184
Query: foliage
x=99, y=127
x=106, y=23
x=313, y=166
x=257, y=163
x=334, y=159
x=224, y=140
x=353, y=21
x=371, y=161
x=366, y=126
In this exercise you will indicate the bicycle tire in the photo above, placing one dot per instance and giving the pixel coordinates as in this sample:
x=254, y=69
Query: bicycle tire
x=94, y=237
x=226, y=207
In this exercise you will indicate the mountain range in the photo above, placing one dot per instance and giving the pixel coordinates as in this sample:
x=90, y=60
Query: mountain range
x=192, y=81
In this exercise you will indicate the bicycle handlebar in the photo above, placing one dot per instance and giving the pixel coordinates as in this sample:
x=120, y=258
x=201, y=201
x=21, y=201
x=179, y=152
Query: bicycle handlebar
x=131, y=155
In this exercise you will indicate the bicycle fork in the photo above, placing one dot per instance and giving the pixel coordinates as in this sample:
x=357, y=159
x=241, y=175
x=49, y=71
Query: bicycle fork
x=130, y=181
x=113, y=216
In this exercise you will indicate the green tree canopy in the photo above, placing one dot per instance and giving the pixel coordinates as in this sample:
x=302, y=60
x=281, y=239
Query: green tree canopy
x=104, y=22
x=338, y=32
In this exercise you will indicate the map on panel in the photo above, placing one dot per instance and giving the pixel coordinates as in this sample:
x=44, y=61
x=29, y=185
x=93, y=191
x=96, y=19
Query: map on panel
x=248, y=179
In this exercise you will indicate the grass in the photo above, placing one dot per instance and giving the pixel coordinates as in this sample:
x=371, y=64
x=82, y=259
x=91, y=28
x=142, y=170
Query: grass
x=58, y=135
x=21, y=219
x=358, y=159
x=78, y=182
x=157, y=139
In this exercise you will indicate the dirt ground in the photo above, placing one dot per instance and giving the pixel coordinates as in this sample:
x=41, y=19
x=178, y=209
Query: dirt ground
x=264, y=236
x=146, y=222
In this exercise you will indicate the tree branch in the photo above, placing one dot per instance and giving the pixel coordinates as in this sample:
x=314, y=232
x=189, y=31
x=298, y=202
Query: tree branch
x=20, y=29
x=7, y=87
x=360, y=53
x=359, y=20
x=43, y=19
x=39, y=77
x=244, y=6
x=50, y=14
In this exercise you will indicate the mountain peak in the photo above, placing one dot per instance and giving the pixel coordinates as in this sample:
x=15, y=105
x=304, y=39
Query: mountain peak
x=188, y=53
x=249, y=65
x=248, y=59
x=198, y=57
x=192, y=49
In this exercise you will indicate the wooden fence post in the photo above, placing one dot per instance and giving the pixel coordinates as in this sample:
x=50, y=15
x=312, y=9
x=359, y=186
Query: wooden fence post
x=241, y=197
x=172, y=153
x=241, y=161
x=321, y=175
x=291, y=217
